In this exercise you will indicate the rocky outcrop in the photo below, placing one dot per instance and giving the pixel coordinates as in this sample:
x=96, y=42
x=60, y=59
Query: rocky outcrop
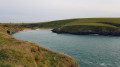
x=103, y=32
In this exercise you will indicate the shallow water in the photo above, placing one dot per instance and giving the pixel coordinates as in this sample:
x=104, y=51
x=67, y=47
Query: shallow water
x=87, y=50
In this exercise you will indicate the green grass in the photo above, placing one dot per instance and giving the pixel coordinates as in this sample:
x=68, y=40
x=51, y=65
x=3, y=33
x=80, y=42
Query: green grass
x=52, y=24
x=83, y=24
x=92, y=24
x=96, y=21
x=18, y=53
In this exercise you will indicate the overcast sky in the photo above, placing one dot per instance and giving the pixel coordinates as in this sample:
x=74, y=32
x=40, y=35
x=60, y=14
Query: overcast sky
x=47, y=10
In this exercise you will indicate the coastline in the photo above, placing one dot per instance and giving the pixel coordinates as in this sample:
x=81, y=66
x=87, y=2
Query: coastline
x=28, y=52
x=24, y=30
x=51, y=51
x=88, y=32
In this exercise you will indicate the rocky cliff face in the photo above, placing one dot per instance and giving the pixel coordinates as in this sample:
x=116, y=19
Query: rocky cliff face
x=90, y=31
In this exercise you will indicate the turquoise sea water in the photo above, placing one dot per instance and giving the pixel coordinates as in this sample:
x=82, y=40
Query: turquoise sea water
x=87, y=50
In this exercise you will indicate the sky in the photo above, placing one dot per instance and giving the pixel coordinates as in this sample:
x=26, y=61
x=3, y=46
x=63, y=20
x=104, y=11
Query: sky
x=20, y=11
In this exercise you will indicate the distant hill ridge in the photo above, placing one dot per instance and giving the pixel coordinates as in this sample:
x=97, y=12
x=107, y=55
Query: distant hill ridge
x=102, y=26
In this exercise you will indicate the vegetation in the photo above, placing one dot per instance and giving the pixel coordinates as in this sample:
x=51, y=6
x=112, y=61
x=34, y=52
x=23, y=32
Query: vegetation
x=52, y=24
x=104, y=26
x=100, y=25
x=18, y=53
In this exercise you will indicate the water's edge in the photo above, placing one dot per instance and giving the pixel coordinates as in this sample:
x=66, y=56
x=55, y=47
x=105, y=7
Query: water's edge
x=87, y=53
x=42, y=29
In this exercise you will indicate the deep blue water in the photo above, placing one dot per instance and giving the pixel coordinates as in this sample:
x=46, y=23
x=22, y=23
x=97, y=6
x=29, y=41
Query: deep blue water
x=87, y=50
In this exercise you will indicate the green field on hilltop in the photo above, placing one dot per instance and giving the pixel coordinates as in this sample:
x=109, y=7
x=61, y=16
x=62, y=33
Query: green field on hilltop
x=92, y=24
x=109, y=22
x=95, y=21
x=109, y=25
x=51, y=24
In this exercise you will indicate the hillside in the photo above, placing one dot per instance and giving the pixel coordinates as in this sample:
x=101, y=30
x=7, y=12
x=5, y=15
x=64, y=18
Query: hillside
x=82, y=26
x=51, y=24
x=18, y=53
x=102, y=26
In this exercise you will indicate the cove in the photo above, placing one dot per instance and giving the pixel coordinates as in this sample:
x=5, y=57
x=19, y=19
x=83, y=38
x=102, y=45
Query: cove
x=87, y=50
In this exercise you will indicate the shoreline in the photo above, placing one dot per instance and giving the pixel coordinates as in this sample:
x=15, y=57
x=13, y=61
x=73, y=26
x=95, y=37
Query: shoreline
x=59, y=53
x=38, y=48
x=104, y=33
x=25, y=30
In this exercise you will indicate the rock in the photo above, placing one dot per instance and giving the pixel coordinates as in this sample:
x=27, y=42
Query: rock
x=104, y=32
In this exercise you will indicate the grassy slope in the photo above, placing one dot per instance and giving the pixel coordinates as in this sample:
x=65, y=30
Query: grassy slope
x=52, y=24
x=75, y=25
x=18, y=53
x=92, y=24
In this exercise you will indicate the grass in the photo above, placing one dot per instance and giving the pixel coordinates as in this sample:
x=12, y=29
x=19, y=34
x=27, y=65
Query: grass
x=96, y=21
x=52, y=24
x=18, y=53
x=76, y=25
x=92, y=24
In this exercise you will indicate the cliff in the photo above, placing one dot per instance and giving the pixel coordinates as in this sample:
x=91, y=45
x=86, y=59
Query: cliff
x=18, y=53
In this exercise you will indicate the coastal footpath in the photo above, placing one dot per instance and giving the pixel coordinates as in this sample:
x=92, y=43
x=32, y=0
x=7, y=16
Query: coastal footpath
x=18, y=53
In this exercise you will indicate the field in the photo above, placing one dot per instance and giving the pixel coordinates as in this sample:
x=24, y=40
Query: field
x=76, y=25
x=103, y=26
